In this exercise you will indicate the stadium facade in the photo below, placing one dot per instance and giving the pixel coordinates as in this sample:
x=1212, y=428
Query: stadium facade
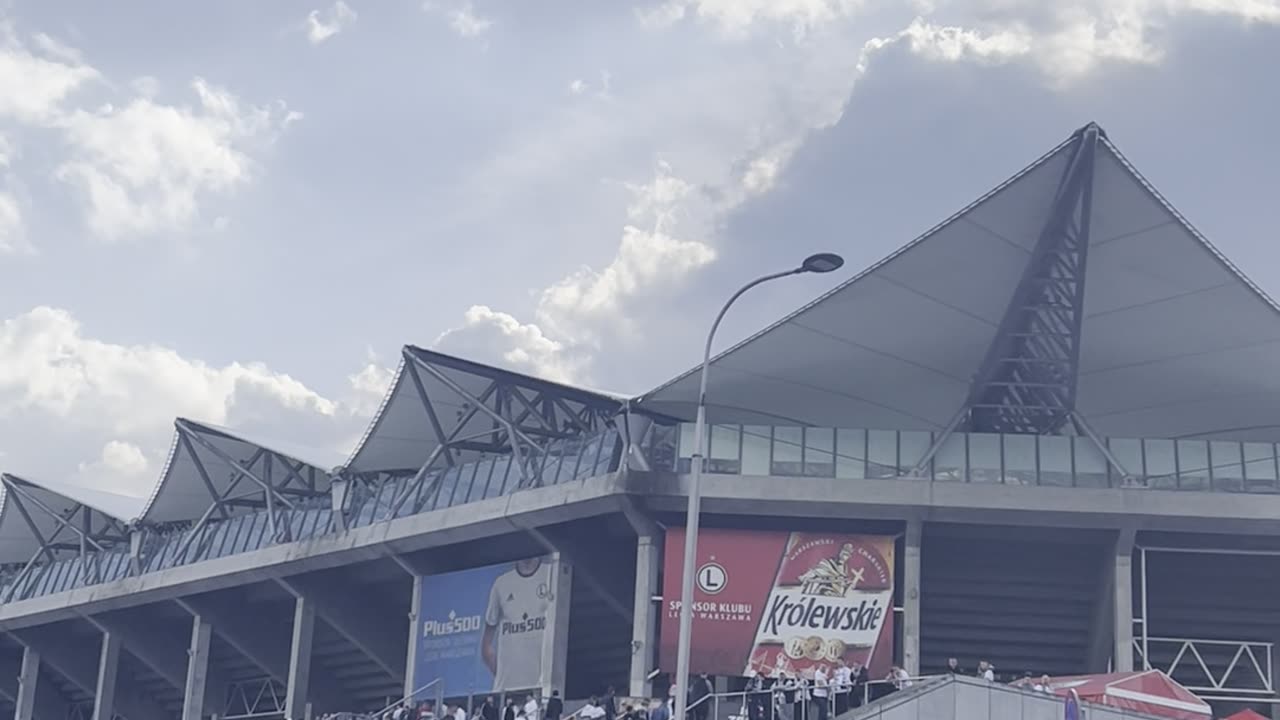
x=1044, y=434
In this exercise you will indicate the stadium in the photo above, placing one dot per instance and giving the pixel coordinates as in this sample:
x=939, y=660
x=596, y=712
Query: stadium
x=1042, y=435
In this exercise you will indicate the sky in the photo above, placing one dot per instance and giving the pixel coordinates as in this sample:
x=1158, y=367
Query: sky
x=240, y=211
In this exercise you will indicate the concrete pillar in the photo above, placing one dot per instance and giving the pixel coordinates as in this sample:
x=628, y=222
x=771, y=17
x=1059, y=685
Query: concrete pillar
x=27, y=678
x=411, y=684
x=555, y=648
x=197, y=669
x=1122, y=605
x=104, y=701
x=304, y=625
x=911, y=598
x=644, y=624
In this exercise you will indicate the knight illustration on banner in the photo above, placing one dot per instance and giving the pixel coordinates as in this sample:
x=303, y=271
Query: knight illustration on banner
x=831, y=577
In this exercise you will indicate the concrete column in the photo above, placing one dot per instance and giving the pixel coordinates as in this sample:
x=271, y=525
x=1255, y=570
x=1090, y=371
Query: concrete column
x=911, y=598
x=415, y=640
x=304, y=625
x=27, y=679
x=555, y=648
x=104, y=701
x=644, y=625
x=1122, y=603
x=197, y=669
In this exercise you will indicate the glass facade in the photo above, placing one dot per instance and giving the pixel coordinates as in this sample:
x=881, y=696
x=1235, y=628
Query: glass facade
x=1047, y=460
x=492, y=476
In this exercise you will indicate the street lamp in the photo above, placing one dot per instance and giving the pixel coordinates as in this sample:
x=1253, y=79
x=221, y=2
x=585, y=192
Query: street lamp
x=820, y=263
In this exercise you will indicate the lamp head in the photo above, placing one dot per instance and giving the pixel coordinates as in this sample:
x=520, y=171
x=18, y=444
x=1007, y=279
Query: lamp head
x=822, y=263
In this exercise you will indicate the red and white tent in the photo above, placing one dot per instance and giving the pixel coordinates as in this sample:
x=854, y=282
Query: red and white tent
x=1151, y=692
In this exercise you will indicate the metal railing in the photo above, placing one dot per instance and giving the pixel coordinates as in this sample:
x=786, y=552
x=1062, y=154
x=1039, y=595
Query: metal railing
x=771, y=702
x=1237, y=668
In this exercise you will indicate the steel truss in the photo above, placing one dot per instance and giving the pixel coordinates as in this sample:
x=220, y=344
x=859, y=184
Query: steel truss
x=266, y=481
x=257, y=698
x=1027, y=383
x=1232, y=670
x=512, y=415
x=79, y=531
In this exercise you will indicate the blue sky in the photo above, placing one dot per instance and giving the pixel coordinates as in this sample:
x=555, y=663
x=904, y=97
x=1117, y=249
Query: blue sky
x=239, y=211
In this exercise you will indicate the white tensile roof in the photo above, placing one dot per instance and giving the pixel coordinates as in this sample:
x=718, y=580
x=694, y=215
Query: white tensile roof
x=181, y=492
x=401, y=436
x=19, y=544
x=1174, y=341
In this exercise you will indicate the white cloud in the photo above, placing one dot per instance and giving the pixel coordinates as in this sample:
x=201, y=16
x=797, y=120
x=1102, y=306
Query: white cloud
x=369, y=386
x=462, y=16
x=573, y=314
x=121, y=464
x=577, y=87
x=737, y=17
x=323, y=25
x=112, y=406
x=13, y=236
x=145, y=167
x=34, y=87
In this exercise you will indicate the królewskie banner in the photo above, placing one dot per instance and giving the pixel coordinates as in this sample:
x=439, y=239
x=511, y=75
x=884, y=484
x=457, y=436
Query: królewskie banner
x=778, y=603
x=490, y=629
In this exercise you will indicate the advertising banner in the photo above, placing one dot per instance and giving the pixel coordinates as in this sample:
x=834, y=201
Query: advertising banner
x=492, y=628
x=778, y=603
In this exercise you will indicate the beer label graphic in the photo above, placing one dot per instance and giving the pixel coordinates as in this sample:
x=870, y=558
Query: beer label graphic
x=775, y=604
x=830, y=600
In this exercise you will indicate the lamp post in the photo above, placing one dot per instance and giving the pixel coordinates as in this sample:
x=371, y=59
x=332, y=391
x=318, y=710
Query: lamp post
x=820, y=263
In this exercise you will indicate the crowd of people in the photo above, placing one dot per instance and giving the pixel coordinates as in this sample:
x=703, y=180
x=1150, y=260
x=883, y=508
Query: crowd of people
x=818, y=695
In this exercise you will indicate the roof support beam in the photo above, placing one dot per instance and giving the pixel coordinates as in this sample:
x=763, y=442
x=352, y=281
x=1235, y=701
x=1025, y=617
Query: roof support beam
x=81, y=671
x=272, y=497
x=1027, y=383
x=355, y=617
x=160, y=651
x=251, y=636
x=20, y=684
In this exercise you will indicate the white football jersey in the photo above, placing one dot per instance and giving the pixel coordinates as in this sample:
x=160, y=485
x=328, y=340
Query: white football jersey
x=520, y=609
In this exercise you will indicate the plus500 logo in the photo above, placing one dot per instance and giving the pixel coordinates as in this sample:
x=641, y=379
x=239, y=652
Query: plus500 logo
x=455, y=624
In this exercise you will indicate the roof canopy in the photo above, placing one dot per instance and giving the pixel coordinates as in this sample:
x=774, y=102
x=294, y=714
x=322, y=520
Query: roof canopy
x=1072, y=288
x=1151, y=693
x=440, y=404
x=49, y=518
x=212, y=468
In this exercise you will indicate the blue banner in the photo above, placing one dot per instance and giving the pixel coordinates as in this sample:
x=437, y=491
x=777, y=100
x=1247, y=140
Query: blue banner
x=484, y=629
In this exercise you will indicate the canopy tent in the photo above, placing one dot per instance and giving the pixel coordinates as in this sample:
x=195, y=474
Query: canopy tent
x=1074, y=280
x=1150, y=692
x=1247, y=714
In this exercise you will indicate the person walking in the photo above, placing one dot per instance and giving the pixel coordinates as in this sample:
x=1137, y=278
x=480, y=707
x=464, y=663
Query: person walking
x=610, y=704
x=821, y=693
x=555, y=707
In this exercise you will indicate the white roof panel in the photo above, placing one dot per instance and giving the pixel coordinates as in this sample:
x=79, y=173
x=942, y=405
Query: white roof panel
x=1173, y=337
x=18, y=542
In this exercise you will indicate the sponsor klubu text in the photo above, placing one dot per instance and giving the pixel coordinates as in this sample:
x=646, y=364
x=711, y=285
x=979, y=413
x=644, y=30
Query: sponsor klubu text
x=455, y=624
x=732, y=608
x=534, y=624
x=789, y=610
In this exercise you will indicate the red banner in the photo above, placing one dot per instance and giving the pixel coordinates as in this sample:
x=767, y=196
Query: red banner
x=776, y=603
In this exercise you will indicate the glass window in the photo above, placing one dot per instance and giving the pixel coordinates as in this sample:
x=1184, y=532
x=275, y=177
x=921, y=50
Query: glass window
x=725, y=445
x=819, y=452
x=1020, y=459
x=882, y=453
x=755, y=449
x=1162, y=468
x=1055, y=460
x=1128, y=453
x=984, y=458
x=685, y=447
x=1259, y=467
x=662, y=447
x=912, y=445
x=569, y=465
x=466, y=475
x=1228, y=473
x=481, y=481
x=951, y=459
x=787, y=455
x=851, y=453
x=1193, y=465
x=498, y=479
x=1091, y=464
